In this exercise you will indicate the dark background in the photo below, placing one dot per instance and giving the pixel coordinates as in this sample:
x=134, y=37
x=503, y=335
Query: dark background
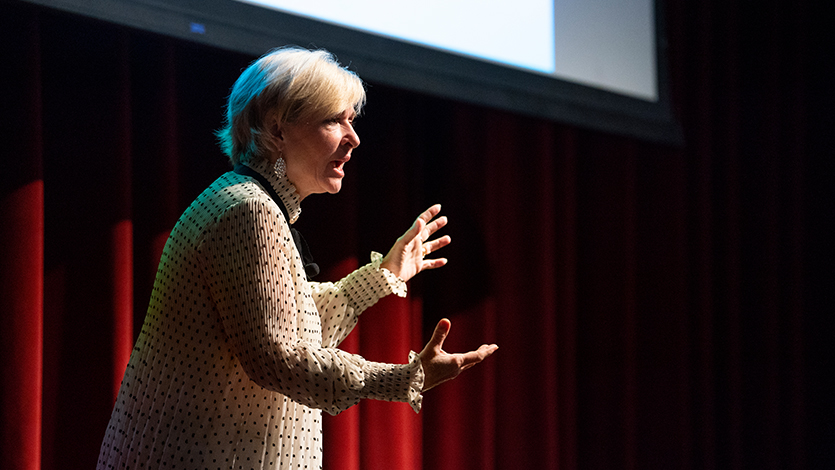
x=657, y=306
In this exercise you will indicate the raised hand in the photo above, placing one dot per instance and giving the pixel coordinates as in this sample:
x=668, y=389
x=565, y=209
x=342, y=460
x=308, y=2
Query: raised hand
x=408, y=255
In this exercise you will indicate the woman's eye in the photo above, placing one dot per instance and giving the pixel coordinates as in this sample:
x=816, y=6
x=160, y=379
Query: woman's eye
x=340, y=120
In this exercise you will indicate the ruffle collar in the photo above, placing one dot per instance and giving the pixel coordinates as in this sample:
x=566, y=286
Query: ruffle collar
x=283, y=187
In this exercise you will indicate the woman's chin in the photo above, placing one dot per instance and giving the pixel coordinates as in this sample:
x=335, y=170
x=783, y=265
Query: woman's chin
x=335, y=187
x=331, y=186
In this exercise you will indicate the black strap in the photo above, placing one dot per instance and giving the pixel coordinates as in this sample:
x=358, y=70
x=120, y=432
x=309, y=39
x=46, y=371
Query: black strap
x=311, y=269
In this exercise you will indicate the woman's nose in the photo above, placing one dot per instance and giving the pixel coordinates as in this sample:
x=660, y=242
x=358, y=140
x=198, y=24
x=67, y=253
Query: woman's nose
x=352, y=137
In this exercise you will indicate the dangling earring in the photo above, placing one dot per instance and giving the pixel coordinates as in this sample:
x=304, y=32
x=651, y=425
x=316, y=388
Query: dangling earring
x=280, y=166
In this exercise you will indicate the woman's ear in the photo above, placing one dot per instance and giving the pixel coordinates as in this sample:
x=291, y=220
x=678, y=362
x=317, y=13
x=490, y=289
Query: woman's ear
x=276, y=130
x=277, y=136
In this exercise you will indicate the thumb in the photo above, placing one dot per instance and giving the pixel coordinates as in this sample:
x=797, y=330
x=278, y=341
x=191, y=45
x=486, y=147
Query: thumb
x=440, y=334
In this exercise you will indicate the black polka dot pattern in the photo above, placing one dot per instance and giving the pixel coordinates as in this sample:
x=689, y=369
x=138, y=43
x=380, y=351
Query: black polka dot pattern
x=238, y=353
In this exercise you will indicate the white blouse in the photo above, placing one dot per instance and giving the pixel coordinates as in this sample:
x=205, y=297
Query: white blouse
x=237, y=356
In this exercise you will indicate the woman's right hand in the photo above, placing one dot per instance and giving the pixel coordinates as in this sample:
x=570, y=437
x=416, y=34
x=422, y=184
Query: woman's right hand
x=440, y=366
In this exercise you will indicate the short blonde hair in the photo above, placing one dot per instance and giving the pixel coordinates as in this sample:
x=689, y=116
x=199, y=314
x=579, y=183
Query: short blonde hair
x=286, y=85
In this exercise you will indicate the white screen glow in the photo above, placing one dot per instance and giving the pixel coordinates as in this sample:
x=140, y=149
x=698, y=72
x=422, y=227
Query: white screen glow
x=609, y=44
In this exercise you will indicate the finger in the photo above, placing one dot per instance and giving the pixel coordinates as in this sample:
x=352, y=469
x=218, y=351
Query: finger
x=440, y=333
x=430, y=213
x=435, y=245
x=433, y=263
x=414, y=231
x=435, y=225
x=474, y=357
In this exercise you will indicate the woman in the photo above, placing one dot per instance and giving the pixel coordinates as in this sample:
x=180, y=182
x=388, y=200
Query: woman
x=238, y=353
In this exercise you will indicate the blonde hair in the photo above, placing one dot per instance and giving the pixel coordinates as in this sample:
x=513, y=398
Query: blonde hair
x=286, y=85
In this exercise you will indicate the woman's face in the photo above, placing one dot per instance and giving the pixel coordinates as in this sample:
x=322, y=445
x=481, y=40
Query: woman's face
x=316, y=152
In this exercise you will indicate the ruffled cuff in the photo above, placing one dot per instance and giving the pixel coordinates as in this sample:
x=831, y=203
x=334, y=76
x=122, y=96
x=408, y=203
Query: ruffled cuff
x=398, y=286
x=395, y=382
x=416, y=382
x=370, y=283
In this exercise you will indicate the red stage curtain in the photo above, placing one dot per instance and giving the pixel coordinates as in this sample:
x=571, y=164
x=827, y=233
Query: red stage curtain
x=21, y=248
x=656, y=306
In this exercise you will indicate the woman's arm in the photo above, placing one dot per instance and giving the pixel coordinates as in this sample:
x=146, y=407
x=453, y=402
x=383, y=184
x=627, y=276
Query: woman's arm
x=248, y=263
x=341, y=303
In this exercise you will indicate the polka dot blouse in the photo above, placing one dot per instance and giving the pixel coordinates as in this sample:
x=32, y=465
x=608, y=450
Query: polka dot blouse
x=238, y=353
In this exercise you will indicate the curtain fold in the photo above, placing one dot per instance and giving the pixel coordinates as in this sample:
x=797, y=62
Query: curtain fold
x=655, y=306
x=22, y=248
x=22, y=337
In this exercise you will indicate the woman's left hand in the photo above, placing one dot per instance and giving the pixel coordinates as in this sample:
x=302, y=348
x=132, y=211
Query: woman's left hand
x=408, y=255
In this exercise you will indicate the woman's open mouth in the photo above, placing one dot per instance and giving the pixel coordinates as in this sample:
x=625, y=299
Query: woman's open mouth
x=338, y=166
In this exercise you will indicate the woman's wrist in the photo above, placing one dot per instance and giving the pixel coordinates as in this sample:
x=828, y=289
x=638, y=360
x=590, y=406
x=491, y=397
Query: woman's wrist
x=390, y=266
x=396, y=283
